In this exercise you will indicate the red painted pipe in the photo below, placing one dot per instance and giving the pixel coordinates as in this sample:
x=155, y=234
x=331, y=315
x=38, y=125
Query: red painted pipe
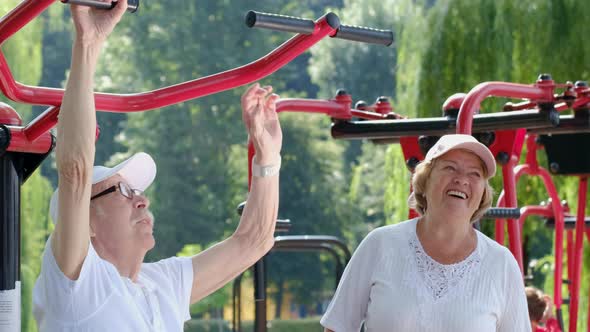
x=328, y=107
x=473, y=100
x=332, y=108
x=514, y=236
x=22, y=14
x=177, y=93
x=20, y=143
x=578, y=252
x=38, y=126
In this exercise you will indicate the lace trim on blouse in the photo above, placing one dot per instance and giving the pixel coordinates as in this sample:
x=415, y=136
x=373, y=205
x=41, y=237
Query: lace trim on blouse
x=437, y=283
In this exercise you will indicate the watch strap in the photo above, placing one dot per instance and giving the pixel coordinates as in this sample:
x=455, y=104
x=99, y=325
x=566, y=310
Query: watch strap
x=265, y=170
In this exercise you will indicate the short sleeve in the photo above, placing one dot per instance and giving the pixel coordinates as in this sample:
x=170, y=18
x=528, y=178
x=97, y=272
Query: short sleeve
x=174, y=274
x=348, y=307
x=515, y=316
x=73, y=299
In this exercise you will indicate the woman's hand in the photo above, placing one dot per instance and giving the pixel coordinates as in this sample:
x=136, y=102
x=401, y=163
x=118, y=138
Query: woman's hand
x=261, y=120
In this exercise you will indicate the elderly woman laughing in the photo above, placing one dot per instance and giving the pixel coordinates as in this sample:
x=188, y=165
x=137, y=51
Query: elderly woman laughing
x=435, y=272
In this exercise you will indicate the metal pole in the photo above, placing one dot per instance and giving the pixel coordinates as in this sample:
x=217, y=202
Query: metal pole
x=260, y=296
x=10, y=296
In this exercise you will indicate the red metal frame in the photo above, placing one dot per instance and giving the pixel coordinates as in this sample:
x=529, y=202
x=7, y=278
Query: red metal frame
x=338, y=108
x=532, y=168
x=508, y=141
x=578, y=252
x=26, y=139
x=540, y=92
x=35, y=137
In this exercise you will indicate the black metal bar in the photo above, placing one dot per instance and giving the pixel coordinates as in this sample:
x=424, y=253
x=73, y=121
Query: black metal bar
x=277, y=22
x=502, y=213
x=569, y=222
x=559, y=315
x=568, y=124
x=10, y=182
x=391, y=129
x=259, y=296
x=237, y=304
x=365, y=35
x=283, y=225
x=340, y=261
x=132, y=5
x=306, y=240
x=303, y=242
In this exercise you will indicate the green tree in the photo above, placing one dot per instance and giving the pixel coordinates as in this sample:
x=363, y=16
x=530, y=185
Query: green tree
x=368, y=71
x=35, y=225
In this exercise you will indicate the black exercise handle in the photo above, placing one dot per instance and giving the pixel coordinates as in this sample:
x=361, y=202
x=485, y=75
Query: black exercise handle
x=306, y=26
x=283, y=23
x=502, y=213
x=132, y=5
x=365, y=35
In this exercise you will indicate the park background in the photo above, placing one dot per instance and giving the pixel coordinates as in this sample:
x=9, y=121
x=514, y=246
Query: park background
x=341, y=188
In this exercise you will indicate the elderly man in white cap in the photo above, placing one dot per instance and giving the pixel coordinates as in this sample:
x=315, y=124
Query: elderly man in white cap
x=93, y=277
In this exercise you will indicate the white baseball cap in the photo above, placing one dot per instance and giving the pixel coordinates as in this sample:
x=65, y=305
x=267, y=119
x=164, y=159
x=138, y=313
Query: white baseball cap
x=466, y=142
x=139, y=171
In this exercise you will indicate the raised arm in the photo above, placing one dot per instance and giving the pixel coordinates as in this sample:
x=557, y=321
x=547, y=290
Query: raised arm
x=254, y=235
x=75, y=137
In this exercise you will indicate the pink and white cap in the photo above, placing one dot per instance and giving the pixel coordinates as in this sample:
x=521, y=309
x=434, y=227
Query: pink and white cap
x=466, y=142
x=139, y=171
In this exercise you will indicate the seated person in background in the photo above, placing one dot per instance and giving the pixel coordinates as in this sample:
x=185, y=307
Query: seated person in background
x=541, y=311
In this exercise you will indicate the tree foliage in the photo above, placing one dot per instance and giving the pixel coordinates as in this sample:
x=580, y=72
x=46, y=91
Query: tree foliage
x=327, y=187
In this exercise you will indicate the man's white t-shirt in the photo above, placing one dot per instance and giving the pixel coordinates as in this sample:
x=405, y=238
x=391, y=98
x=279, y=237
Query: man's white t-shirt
x=391, y=284
x=101, y=300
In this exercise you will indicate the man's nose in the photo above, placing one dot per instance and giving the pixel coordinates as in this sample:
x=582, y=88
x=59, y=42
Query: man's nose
x=141, y=202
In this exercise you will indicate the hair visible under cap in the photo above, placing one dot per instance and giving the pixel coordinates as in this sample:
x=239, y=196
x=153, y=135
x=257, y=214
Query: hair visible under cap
x=420, y=178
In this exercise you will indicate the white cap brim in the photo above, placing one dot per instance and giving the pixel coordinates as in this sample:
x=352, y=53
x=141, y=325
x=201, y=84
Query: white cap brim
x=139, y=171
x=465, y=142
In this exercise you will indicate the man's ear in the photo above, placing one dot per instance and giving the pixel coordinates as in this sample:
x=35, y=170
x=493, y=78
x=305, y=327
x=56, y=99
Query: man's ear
x=91, y=224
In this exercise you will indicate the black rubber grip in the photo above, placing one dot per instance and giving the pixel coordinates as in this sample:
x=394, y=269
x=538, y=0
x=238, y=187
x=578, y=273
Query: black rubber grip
x=365, y=35
x=279, y=22
x=502, y=213
x=132, y=5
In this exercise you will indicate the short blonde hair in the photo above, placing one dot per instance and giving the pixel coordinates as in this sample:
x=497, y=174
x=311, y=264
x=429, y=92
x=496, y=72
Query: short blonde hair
x=420, y=178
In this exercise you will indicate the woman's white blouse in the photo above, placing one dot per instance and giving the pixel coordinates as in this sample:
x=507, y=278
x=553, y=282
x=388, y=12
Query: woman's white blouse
x=391, y=284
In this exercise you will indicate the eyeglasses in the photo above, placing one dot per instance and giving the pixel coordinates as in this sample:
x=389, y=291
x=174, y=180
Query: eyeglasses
x=123, y=188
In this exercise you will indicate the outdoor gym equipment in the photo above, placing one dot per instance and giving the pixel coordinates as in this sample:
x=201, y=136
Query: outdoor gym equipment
x=24, y=147
x=292, y=243
x=298, y=243
x=536, y=120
